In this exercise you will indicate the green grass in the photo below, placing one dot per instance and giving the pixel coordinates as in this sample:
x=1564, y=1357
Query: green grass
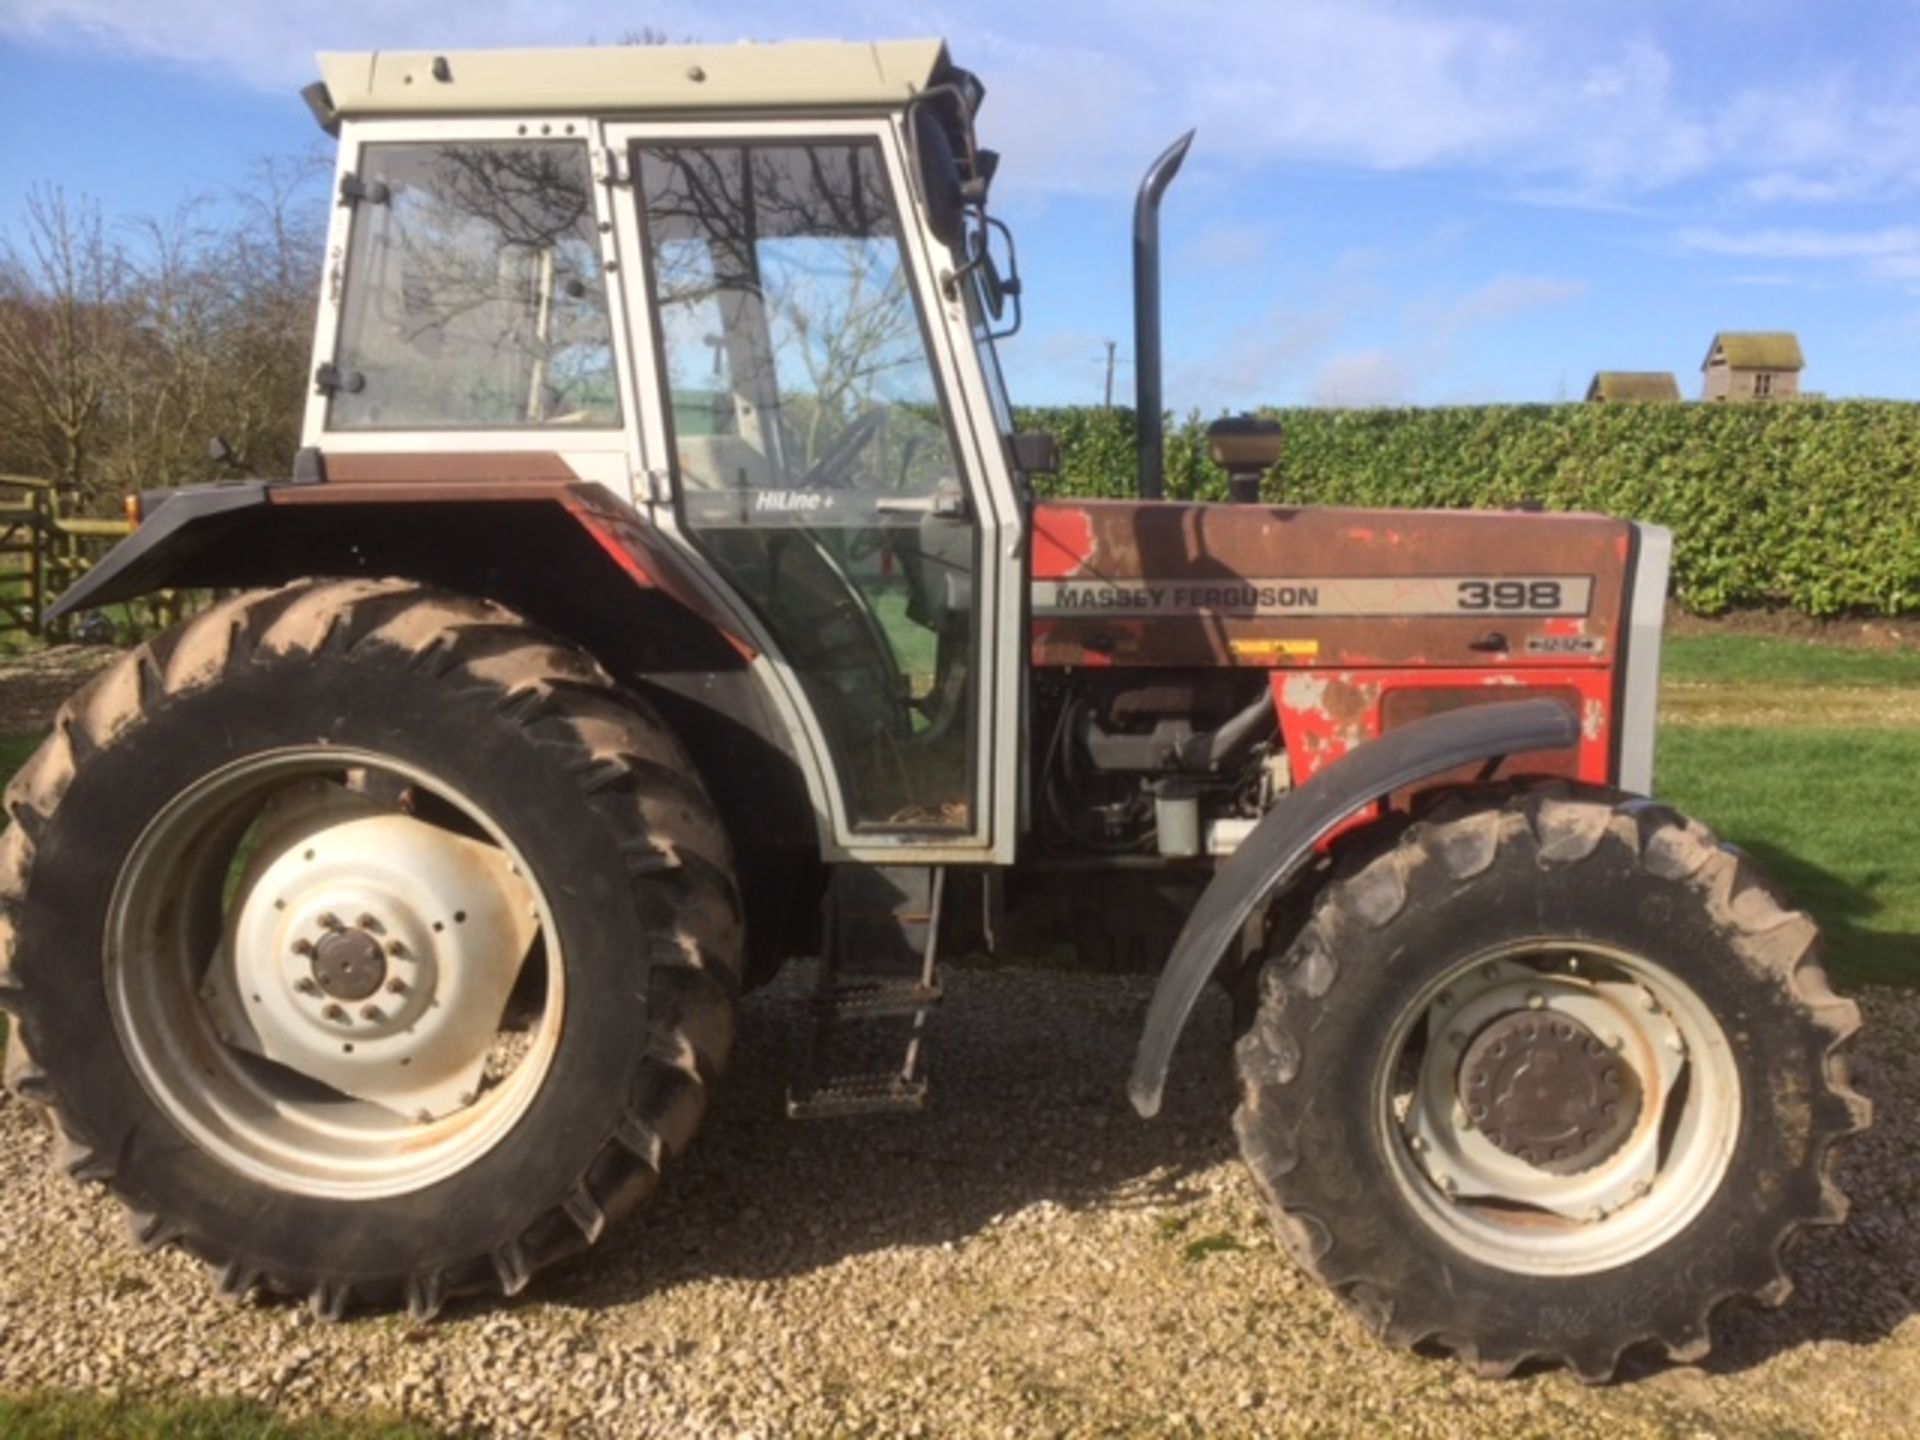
x=1830, y=813
x=62, y=1414
x=15, y=751
x=1756, y=659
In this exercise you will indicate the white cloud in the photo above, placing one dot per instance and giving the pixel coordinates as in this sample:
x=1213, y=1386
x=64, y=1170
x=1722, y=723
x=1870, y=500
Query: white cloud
x=1231, y=245
x=1803, y=244
x=1567, y=101
x=1508, y=295
x=1362, y=378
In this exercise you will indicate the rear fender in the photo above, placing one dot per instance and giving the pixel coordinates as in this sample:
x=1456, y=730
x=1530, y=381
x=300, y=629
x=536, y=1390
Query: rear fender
x=1280, y=846
x=569, y=557
x=259, y=533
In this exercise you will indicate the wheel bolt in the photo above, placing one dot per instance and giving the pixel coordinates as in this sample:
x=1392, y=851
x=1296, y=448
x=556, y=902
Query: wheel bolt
x=397, y=950
x=371, y=1012
x=369, y=922
x=1535, y=1000
x=1614, y=1042
x=303, y=948
x=335, y=1013
x=1462, y=1120
x=396, y=986
x=306, y=986
x=331, y=921
x=1446, y=1184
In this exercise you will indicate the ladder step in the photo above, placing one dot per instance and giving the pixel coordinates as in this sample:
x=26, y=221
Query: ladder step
x=863, y=998
x=887, y=1092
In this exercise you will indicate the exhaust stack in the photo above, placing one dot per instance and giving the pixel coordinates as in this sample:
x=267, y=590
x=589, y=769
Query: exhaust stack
x=1148, y=402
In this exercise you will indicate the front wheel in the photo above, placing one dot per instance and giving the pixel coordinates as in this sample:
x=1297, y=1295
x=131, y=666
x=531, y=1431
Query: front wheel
x=1546, y=1078
x=368, y=942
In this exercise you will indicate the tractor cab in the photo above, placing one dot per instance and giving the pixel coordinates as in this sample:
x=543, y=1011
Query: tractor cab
x=765, y=319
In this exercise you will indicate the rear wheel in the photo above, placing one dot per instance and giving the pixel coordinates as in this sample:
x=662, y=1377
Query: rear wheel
x=367, y=942
x=1546, y=1078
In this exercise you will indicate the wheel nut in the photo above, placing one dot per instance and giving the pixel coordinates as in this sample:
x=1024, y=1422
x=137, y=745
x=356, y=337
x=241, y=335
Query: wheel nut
x=1535, y=1000
x=371, y=1012
x=303, y=948
x=368, y=922
x=331, y=921
x=396, y=950
x=335, y=1013
x=396, y=986
x=306, y=986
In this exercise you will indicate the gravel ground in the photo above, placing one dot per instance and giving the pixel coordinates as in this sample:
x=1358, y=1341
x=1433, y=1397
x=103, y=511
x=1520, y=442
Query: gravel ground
x=1028, y=1259
x=36, y=683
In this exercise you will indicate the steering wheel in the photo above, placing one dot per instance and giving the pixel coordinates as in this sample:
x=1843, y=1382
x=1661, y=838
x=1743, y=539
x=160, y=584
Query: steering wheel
x=829, y=470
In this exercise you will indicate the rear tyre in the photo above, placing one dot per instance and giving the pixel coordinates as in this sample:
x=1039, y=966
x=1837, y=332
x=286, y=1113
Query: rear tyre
x=1544, y=1078
x=368, y=943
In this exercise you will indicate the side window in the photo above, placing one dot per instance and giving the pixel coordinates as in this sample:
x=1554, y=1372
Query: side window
x=791, y=338
x=814, y=461
x=474, y=293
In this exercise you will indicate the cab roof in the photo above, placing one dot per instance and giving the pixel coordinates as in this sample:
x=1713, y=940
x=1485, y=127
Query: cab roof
x=806, y=74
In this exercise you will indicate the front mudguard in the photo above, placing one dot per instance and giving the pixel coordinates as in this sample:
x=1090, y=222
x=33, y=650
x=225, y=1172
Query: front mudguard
x=1284, y=840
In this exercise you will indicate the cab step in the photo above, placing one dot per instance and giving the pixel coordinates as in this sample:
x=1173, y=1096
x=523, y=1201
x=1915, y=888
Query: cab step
x=877, y=984
x=885, y=1093
x=877, y=998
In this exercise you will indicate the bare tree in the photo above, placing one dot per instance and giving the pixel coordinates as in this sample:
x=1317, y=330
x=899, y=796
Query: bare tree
x=122, y=354
x=65, y=293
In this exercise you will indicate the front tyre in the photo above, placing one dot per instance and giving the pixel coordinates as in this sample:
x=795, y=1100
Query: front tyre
x=1545, y=1078
x=367, y=942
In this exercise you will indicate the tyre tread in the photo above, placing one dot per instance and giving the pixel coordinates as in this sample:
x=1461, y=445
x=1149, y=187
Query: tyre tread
x=654, y=808
x=1370, y=889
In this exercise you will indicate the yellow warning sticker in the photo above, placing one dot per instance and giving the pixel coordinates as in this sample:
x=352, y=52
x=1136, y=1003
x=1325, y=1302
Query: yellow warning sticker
x=1276, y=649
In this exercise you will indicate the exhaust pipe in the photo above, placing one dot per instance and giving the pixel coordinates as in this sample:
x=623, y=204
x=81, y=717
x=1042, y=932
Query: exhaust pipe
x=1148, y=402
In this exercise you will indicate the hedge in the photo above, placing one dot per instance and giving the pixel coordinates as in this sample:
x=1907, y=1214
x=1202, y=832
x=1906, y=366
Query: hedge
x=1812, y=505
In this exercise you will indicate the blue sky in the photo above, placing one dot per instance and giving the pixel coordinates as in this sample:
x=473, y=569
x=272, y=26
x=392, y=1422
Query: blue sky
x=1390, y=201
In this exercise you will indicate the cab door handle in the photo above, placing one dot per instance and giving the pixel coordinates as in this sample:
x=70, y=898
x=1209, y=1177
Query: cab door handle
x=945, y=503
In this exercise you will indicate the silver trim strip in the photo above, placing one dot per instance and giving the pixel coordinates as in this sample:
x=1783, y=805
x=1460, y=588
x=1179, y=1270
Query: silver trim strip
x=1646, y=622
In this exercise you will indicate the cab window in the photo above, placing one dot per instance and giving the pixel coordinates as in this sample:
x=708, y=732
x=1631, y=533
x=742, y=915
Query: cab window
x=474, y=292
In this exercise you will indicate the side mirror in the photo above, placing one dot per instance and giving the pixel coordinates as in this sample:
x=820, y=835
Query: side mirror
x=1036, y=452
x=1246, y=447
x=998, y=284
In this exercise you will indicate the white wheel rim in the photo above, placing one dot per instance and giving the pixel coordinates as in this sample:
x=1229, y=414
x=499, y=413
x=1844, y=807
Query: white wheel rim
x=1510, y=1213
x=221, y=1019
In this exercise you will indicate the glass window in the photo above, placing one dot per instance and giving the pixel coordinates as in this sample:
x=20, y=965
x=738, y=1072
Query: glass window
x=474, y=293
x=813, y=455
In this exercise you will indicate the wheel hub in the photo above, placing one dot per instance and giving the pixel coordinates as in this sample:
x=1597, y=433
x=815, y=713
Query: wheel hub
x=349, y=964
x=1543, y=1087
x=1543, y=1092
x=402, y=1007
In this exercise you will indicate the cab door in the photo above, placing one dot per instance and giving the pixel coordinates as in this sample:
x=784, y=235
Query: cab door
x=804, y=403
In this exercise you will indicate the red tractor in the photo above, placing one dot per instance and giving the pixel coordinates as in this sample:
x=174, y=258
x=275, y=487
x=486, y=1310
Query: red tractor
x=662, y=593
